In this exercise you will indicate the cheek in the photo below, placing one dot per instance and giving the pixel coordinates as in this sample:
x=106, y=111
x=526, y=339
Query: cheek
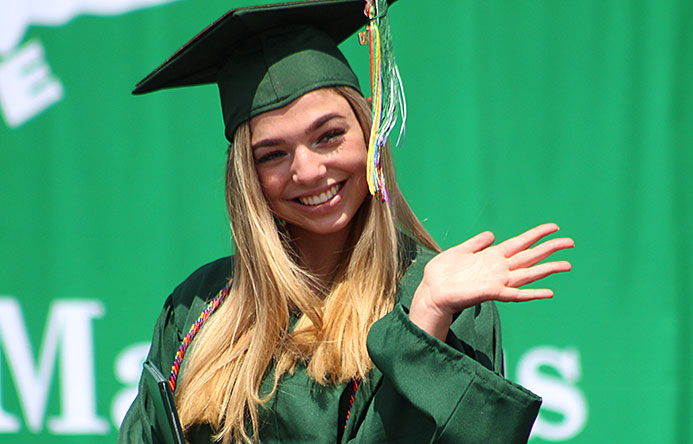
x=270, y=184
x=355, y=155
x=358, y=171
x=359, y=164
x=360, y=160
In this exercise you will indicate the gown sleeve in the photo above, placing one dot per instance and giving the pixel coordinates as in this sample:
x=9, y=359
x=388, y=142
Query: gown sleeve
x=137, y=426
x=428, y=391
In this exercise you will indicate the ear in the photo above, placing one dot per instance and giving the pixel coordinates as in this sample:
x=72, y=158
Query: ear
x=370, y=101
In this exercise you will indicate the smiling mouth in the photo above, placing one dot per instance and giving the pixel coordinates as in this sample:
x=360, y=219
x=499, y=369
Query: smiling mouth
x=322, y=197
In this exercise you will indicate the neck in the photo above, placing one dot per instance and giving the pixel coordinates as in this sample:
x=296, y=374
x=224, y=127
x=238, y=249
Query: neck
x=320, y=253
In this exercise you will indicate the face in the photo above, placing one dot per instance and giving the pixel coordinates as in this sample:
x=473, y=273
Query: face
x=310, y=157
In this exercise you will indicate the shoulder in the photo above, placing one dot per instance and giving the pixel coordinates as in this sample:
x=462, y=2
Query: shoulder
x=189, y=298
x=204, y=280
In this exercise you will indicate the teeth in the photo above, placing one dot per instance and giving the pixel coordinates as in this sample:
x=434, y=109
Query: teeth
x=321, y=198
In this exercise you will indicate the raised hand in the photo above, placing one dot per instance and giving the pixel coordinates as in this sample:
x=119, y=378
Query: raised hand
x=476, y=271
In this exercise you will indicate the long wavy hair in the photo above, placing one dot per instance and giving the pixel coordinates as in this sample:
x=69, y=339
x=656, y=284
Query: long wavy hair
x=250, y=332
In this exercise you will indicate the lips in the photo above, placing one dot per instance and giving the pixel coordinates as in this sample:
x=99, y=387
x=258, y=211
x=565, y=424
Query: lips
x=322, y=197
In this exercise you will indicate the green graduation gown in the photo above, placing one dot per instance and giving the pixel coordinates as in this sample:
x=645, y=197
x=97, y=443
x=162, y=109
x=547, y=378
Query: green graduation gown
x=420, y=390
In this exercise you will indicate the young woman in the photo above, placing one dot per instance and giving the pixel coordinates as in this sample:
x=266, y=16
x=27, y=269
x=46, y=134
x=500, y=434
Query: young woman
x=341, y=321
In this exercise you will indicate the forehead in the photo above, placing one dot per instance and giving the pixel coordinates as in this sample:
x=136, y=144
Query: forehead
x=298, y=115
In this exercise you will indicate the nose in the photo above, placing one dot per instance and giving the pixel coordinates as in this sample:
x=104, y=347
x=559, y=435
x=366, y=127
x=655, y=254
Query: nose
x=308, y=166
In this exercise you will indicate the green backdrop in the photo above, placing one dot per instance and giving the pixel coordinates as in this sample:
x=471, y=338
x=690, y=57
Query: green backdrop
x=573, y=111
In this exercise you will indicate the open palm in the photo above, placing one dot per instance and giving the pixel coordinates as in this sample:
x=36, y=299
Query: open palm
x=476, y=271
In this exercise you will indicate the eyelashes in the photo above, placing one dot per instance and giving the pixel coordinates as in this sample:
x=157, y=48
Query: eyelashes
x=330, y=138
x=269, y=156
x=331, y=135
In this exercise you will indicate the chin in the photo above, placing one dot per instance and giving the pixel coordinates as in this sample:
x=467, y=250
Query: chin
x=320, y=229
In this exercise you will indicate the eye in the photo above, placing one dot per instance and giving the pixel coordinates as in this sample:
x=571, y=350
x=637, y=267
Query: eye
x=269, y=156
x=331, y=136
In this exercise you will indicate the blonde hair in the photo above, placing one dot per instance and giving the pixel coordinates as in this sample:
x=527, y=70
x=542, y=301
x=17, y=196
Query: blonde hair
x=250, y=330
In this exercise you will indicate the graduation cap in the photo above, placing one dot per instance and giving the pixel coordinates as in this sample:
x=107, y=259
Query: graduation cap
x=264, y=57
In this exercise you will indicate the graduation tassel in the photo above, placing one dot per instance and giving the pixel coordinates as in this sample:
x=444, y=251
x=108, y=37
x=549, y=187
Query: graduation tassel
x=387, y=93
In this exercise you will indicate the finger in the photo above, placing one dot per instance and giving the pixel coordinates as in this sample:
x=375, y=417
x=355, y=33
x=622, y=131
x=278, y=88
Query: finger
x=527, y=258
x=477, y=243
x=524, y=294
x=525, y=240
x=525, y=276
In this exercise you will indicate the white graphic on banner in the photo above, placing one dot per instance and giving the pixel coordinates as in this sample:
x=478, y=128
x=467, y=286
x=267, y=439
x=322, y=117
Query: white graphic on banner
x=68, y=333
x=27, y=86
x=560, y=393
x=16, y=17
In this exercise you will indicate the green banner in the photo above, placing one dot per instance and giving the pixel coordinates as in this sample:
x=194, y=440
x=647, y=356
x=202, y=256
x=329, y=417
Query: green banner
x=575, y=112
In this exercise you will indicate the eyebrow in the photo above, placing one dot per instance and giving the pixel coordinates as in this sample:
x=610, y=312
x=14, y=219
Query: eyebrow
x=312, y=127
x=321, y=121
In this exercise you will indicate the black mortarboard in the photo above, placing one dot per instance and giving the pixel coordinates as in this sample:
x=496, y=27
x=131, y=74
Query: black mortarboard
x=264, y=57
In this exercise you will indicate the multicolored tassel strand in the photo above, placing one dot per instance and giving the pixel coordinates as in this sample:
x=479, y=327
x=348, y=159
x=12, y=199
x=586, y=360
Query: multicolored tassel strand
x=387, y=92
x=352, y=396
x=211, y=307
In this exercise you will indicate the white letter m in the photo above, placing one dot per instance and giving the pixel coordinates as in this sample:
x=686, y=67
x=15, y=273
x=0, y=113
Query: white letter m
x=68, y=330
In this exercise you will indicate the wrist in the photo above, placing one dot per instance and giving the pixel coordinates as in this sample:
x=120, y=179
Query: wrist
x=427, y=316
